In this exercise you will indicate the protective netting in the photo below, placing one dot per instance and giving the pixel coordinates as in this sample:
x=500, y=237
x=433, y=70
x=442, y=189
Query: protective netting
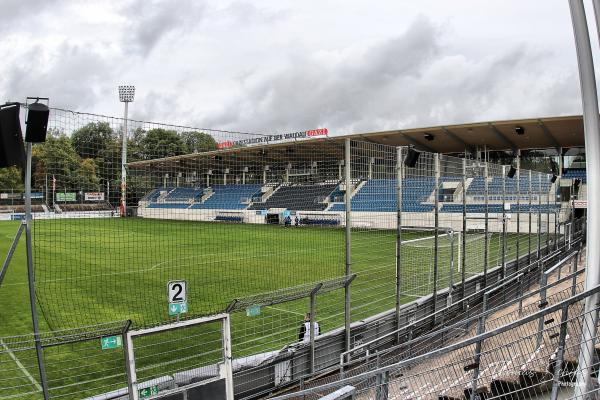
x=238, y=218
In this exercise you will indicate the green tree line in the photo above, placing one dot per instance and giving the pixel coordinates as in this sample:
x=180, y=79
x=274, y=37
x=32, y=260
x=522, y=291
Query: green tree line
x=90, y=158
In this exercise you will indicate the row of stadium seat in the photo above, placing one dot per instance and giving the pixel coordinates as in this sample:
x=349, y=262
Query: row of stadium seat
x=575, y=173
x=228, y=197
x=497, y=208
x=380, y=195
x=298, y=197
x=498, y=184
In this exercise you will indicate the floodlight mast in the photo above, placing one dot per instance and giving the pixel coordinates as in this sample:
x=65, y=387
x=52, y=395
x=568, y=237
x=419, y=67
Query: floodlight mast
x=126, y=95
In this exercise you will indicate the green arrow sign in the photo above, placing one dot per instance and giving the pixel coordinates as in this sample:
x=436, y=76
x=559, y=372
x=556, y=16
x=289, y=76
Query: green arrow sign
x=149, y=391
x=177, y=308
x=111, y=342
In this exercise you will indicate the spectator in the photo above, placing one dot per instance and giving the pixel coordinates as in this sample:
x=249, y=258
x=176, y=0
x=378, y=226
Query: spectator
x=287, y=221
x=304, y=335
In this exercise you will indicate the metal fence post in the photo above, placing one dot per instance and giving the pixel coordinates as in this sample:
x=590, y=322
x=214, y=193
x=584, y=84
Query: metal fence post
x=518, y=249
x=529, y=194
x=436, y=160
x=348, y=203
x=129, y=361
x=131, y=371
x=574, y=283
x=560, y=352
x=486, y=253
x=478, y=346
x=539, y=218
x=548, y=221
x=542, y=305
x=382, y=381
x=313, y=310
x=451, y=280
x=463, y=254
x=503, y=255
x=399, y=171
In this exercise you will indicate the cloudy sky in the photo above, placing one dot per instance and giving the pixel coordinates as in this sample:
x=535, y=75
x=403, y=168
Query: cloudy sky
x=279, y=66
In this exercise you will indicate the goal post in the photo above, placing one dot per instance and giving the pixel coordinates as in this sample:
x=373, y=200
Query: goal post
x=197, y=371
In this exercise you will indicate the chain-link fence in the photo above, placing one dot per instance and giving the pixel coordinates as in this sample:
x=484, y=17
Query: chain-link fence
x=266, y=219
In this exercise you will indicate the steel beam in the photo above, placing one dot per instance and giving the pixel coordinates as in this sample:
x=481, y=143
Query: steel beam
x=549, y=134
x=502, y=137
x=468, y=147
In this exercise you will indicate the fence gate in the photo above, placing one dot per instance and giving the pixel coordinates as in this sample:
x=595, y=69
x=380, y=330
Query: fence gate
x=184, y=360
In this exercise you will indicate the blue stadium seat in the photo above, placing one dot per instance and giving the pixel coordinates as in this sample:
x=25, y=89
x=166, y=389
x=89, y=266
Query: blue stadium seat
x=575, y=173
x=228, y=197
x=380, y=195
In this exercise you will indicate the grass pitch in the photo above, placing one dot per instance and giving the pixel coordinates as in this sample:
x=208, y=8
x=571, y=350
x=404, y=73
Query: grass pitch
x=96, y=270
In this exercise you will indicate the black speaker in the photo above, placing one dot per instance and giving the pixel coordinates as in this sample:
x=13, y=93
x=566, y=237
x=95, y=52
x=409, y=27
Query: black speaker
x=37, y=123
x=553, y=179
x=511, y=172
x=576, y=184
x=12, y=151
x=411, y=158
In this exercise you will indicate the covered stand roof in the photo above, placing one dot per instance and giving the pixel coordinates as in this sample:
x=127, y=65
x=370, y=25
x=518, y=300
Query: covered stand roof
x=534, y=133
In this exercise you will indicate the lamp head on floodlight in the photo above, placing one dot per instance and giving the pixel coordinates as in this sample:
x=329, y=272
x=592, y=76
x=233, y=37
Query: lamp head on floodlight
x=126, y=93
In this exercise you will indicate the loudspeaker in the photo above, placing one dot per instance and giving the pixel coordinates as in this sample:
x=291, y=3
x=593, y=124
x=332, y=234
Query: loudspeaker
x=411, y=158
x=37, y=123
x=511, y=172
x=553, y=179
x=576, y=184
x=12, y=151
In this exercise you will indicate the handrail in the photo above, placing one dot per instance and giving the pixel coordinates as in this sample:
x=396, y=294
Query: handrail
x=455, y=346
x=472, y=318
x=479, y=293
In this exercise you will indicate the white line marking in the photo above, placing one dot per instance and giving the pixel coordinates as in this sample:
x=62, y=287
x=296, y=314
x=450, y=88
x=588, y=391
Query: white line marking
x=174, y=263
x=21, y=366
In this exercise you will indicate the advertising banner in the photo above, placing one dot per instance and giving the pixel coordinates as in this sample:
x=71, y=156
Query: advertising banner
x=94, y=196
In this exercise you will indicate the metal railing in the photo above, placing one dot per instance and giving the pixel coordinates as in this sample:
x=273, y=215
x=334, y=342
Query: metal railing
x=490, y=362
x=467, y=315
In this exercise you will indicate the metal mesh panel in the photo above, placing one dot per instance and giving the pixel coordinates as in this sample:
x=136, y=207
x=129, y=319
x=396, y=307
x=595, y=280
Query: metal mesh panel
x=239, y=217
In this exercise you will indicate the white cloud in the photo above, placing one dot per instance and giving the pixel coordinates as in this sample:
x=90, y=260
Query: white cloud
x=282, y=65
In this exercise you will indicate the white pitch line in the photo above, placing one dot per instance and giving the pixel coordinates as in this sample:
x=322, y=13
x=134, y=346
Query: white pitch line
x=21, y=366
x=160, y=265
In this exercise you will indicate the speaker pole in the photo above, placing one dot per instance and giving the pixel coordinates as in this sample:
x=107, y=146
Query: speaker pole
x=31, y=277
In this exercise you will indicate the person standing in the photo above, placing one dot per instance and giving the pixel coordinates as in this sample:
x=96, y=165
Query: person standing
x=304, y=334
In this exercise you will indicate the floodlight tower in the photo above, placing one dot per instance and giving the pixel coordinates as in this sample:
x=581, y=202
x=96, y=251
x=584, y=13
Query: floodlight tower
x=126, y=94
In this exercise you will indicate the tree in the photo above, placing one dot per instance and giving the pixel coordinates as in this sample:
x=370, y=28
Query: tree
x=10, y=178
x=198, y=142
x=57, y=158
x=88, y=180
x=90, y=140
x=160, y=143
